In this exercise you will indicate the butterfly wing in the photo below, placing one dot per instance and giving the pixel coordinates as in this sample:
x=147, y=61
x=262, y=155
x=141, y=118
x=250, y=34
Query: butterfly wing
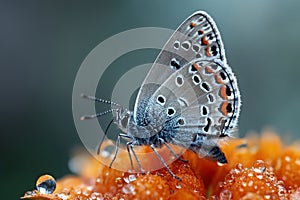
x=190, y=93
x=196, y=38
x=204, y=100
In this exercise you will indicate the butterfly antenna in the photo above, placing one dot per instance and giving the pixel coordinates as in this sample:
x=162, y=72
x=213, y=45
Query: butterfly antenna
x=92, y=98
x=97, y=114
x=99, y=147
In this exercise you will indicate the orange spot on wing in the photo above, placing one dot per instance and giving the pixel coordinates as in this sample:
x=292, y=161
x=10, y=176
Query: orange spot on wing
x=201, y=31
x=223, y=93
x=208, y=51
x=193, y=24
x=223, y=108
x=209, y=70
x=198, y=67
x=219, y=79
x=204, y=41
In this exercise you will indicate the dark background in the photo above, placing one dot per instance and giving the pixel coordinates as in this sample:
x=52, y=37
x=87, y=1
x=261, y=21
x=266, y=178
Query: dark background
x=43, y=43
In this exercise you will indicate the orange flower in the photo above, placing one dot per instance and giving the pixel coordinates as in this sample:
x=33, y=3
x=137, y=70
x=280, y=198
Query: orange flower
x=258, y=168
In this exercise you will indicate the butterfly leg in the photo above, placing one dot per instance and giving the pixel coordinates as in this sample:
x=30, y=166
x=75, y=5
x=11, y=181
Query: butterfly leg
x=136, y=158
x=163, y=162
x=129, y=154
x=100, y=144
x=171, y=150
x=117, y=147
x=117, y=150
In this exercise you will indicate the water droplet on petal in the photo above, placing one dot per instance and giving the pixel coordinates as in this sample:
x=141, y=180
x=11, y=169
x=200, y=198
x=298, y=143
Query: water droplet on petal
x=178, y=186
x=281, y=188
x=131, y=178
x=295, y=195
x=239, y=166
x=46, y=184
x=259, y=166
x=220, y=164
x=225, y=195
x=128, y=189
x=128, y=177
x=287, y=158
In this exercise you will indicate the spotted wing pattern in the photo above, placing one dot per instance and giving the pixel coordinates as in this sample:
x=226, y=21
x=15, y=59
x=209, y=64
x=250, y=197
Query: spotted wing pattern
x=190, y=94
x=196, y=38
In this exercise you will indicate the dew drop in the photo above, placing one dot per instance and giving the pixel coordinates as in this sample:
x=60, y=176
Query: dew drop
x=281, y=188
x=214, y=197
x=225, y=195
x=239, y=166
x=98, y=180
x=297, y=162
x=251, y=196
x=250, y=174
x=267, y=196
x=295, y=195
x=287, y=158
x=250, y=183
x=62, y=196
x=178, y=186
x=221, y=184
x=244, y=184
x=131, y=178
x=29, y=193
x=128, y=189
x=46, y=184
x=128, y=178
x=78, y=191
x=220, y=164
x=260, y=176
x=259, y=166
x=85, y=193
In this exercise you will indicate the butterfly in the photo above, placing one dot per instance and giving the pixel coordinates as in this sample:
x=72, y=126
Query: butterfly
x=189, y=98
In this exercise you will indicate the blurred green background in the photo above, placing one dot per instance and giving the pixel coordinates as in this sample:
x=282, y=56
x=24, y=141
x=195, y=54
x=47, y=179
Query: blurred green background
x=43, y=43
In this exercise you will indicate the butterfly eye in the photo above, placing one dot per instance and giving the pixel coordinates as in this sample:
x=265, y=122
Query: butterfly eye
x=161, y=100
x=171, y=111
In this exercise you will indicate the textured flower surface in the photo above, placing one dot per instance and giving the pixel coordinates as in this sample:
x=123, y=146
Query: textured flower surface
x=258, y=168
